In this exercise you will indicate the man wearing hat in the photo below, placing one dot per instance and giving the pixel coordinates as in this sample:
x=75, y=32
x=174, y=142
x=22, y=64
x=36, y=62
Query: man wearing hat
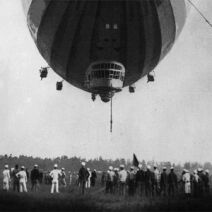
x=93, y=177
x=122, y=180
x=15, y=179
x=187, y=183
x=63, y=177
x=88, y=180
x=55, y=175
x=140, y=180
x=6, y=178
x=149, y=181
x=83, y=175
x=201, y=181
x=172, y=182
x=109, y=180
x=131, y=182
x=22, y=179
x=206, y=182
x=34, y=176
x=195, y=181
x=156, y=186
x=164, y=182
x=116, y=180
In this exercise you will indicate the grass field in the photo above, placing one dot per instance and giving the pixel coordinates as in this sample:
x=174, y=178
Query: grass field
x=96, y=200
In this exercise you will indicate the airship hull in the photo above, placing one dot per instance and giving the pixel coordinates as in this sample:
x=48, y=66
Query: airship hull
x=71, y=35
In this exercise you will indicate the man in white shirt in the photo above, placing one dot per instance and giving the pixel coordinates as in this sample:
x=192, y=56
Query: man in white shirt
x=6, y=178
x=110, y=180
x=187, y=183
x=122, y=179
x=22, y=176
x=88, y=182
x=55, y=174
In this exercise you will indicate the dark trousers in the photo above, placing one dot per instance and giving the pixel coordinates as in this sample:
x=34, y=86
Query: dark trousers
x=82, y=186
x=109, y=187
x=16, y=185
x=131, y=187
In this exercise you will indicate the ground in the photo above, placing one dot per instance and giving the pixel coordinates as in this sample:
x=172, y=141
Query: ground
x=95, y=199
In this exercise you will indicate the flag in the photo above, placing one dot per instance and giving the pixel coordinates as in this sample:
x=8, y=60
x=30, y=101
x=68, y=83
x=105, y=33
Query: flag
x=135, y=161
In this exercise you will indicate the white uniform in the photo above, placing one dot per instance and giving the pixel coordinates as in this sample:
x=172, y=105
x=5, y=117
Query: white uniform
x=6, y=180
x=123, y=176
x=88, y=182
x=55, y=174
x=22, y=180
x=187, y=181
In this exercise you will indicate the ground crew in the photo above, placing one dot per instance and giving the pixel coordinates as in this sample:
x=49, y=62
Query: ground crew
x=122, y=180
x=35, y=176
x=83, y=174
x=206, y=182
x=131, y=179
x=172, y=182
x=201, y=181
x=6, y=178
x=93, y=178
x=187, y=183
x=55, y=175
x=140, y=180
x=149, y=181
x=109, y=180
x=63, y=177
x=22, y=176
x=164, y=182
x=116, y=180
x=15, y=178
x=88, y=180
x=156, y=186
x=195, y=181
x=70, y=178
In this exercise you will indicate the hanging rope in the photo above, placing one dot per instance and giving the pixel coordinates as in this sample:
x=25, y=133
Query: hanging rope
x=201, y=14
x=111, y=115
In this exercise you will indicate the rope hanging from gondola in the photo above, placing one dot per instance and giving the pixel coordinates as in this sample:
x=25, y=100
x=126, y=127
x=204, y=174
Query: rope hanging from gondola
x=111, y=114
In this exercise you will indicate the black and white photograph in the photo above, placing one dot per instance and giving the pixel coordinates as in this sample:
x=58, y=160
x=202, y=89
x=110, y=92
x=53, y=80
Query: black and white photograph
x=105, y=105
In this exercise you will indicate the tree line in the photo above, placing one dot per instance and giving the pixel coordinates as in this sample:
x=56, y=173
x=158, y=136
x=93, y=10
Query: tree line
x=100, y=164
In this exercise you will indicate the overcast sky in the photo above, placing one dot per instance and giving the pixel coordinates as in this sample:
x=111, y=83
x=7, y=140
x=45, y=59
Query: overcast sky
x=170, y=119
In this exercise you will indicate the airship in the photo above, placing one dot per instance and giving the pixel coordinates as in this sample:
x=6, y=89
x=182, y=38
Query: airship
x=102, y=46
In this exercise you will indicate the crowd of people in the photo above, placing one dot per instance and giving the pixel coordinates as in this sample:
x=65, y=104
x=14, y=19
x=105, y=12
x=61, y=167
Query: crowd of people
x=151, y=181
x=143, y=181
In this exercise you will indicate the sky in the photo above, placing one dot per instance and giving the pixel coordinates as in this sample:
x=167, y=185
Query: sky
x=168, y=120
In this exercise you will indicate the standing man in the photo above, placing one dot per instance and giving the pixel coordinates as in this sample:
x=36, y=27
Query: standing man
x=148, y=179
x=34, y=176
x=6, y=178
x=15, y=178
x=110, y=180
x=172, y=182
x=201, y=181
x=63, y=177
x=22, y=176
x=116, y=181
x=88, y=180
x=206, y=182
x=93, y=178
x=156, y=186
x=83, y=174
x=163, y=182
x=195, y=181
x=140, y=180
x=70, y=178
x=131, y=182
x=187, y=183
x=122, y=180
x=55, y=174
